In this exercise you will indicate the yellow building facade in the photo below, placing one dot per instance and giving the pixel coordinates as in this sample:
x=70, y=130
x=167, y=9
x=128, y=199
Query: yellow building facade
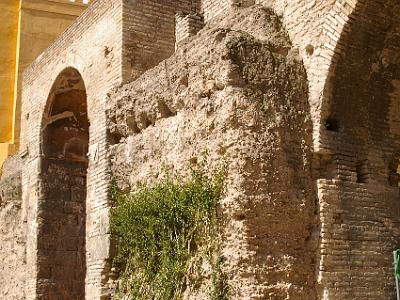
x=28, y=27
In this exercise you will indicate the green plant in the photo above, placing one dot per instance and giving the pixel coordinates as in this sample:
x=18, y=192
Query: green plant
x=161, y=232
x=220, y=287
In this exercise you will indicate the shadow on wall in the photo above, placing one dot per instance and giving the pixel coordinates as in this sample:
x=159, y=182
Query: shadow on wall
x=360, y=134
x=62, y=207
x=365, y=64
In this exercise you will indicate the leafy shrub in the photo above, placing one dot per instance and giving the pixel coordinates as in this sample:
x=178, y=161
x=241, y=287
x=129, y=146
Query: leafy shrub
x=163, y=228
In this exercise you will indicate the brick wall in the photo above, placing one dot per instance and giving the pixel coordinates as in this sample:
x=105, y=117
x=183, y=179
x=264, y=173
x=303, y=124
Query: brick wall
x=92, y=46
x=149, y=28
x=211, y=8
x=187, y=25
x=149, y=32
x=360, y=212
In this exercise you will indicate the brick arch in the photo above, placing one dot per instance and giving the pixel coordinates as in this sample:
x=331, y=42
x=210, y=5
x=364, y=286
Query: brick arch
x=335, y=37
x=65, y=123
x=335, y=29
x=93, y=177
x=358, y=142
x=100, y=72
x=61, y=250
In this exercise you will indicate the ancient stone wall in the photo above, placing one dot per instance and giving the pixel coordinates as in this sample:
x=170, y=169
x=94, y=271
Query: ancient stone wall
x=234, y=103
x=306, y=23
x=353, y=98
x=12, y=235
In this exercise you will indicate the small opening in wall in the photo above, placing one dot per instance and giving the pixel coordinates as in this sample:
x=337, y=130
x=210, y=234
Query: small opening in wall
x=164, y=110
x=310, y=50
x=332, y=124
x=362, y=171
x=114, y=138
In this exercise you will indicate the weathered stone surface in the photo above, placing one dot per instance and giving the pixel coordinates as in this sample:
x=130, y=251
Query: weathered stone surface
x=239, y=92
x=12, y=236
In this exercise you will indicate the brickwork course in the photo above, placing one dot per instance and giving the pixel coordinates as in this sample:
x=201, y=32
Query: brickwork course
x=300, y=96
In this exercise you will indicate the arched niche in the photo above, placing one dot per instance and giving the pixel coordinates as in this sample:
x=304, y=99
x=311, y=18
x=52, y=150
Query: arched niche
x=360, y=207
x=62, y=206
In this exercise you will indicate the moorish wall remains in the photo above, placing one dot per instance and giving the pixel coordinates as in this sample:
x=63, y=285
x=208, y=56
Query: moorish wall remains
x=12, y=233
x=305, y=107
x=234, y=102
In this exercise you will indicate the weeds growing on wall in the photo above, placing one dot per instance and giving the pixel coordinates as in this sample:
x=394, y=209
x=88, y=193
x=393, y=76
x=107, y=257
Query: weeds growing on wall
x=165, y=234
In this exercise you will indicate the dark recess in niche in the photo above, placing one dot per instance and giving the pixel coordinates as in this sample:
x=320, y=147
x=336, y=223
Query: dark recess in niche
x=113, y=135
x=362, y=171
x=165, y=110
x=132, y=125
x=332, y=124
x=114, y=138
x=310, y=50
